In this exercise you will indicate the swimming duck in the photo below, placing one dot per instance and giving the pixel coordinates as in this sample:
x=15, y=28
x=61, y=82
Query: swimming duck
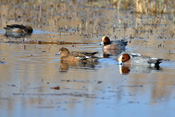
x=77, y=56
x=127, y=58
x=113, y=47
x=16, y=28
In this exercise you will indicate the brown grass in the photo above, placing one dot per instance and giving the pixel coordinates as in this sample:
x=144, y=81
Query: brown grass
x=151, y=7
x=146, y=6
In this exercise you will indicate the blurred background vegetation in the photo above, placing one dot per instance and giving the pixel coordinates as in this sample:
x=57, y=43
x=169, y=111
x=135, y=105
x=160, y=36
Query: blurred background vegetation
x=38, y=11
x=139, y=6
x=80, y=16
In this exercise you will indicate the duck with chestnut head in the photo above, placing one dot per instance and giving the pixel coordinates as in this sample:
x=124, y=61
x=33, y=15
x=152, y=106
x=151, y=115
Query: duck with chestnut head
x=113, y=47
x=126, y=58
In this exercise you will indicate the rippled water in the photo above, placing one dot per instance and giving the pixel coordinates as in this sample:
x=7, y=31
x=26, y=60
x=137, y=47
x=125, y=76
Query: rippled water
x=35, y=83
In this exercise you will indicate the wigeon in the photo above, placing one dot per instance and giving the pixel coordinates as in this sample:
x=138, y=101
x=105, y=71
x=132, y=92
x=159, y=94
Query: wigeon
x=2, y=62
x=128, y=58
x=16, y=28
x=113, y=47
x=77, y=56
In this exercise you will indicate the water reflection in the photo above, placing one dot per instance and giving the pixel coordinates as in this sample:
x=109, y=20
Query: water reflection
x=126, y=69
x=106, y=55
x=64, y=66
x=17, y=35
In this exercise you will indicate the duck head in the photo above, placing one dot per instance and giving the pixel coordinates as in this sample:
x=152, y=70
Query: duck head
x=123, y=58
x=63, y=52
x=105, y=40
x=29, y=29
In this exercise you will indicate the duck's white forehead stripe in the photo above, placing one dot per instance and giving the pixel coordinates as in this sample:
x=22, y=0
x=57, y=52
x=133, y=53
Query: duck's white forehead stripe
x=120, y=59
x=103, y=38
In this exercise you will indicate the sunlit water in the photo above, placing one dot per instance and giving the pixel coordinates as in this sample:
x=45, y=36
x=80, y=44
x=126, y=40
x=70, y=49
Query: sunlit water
x=31, y=72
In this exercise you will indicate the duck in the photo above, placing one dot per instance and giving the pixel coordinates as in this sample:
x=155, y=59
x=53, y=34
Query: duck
x=17, y=28
x=2, y=62
x=129, y=58
x=113, y=47
x=67, y=56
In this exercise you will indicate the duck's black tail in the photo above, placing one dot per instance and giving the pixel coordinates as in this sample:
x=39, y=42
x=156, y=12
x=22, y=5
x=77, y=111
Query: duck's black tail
x=124, y=42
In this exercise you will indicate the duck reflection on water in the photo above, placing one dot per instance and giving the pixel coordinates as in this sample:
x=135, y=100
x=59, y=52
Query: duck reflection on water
x=17, y=35
x=126, y=69
x=64, y=66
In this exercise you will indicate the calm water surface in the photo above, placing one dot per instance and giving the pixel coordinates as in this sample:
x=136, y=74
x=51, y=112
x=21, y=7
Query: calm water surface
x=35, y=83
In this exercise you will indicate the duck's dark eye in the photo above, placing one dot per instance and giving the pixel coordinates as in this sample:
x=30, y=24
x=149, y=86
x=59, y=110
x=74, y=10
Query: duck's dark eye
x=123, y=58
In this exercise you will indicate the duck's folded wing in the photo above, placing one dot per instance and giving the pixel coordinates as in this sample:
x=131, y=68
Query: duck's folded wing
x=83, y=55
x=15, y=26
x=78, y=55
x=120, y=42
x=135, y=54
x=89, y=53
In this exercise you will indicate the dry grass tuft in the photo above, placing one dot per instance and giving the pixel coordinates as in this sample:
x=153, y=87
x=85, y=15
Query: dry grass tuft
x=146, y=6
x=151, y=7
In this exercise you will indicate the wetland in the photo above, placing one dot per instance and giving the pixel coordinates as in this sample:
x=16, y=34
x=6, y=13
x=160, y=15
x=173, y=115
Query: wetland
x=34, y=82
